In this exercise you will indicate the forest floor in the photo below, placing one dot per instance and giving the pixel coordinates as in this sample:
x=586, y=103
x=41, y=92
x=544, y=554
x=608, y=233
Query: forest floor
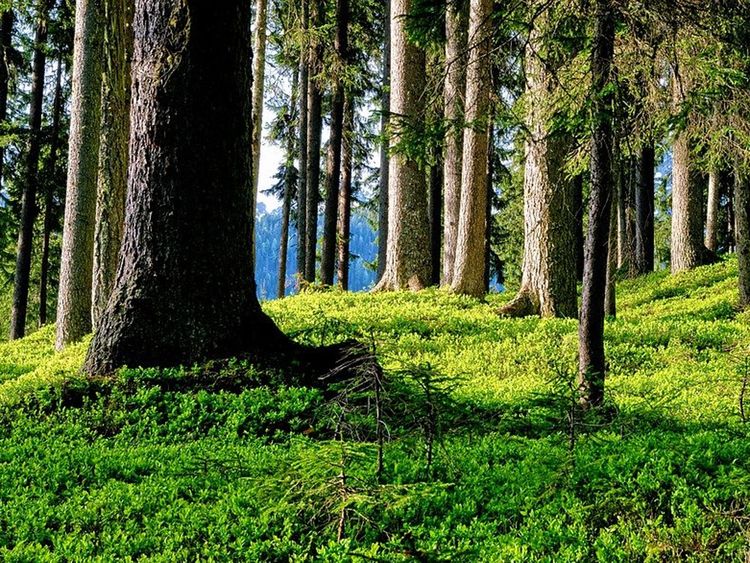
x=484, y=454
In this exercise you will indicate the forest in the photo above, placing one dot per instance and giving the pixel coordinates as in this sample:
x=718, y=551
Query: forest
x=375, y=280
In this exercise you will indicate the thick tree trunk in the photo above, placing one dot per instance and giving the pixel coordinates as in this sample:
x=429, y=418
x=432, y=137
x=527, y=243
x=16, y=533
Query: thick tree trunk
x=591, y=327
x=384, y=117
x=304, y=81
x=712, y=211
x=468, y=273
x=345, y=197
x=74, y=298
x=548, y=282
x=454, y=90
x=31, y=179
x=113, y=149
x=259, y=76
x=6, y=44
x=408, y=263
x=333, y=170
x=742, y=235
x=644, y=204
x=289, y=179
x=51, y=167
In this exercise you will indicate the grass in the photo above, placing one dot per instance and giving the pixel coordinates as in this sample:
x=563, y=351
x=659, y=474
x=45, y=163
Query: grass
x=484, y=457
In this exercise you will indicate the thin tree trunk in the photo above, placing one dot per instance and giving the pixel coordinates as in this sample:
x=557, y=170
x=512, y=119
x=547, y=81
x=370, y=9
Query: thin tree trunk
x=712, y=210
x=74, y=298
x=289, y=179
x=644, y=203
x=113, y=150
x=454, y=90
x=580, y=209
x=384, y=117
x=591, y=326
x=6, y=44
x=314, y=126
x=408, y=263
x=49, y=193
x=259, y=74
x=610, y=294
x=31, y=179
x=304, y=80
x=333, y=170
x=345, y=197
x=436, y=213
x=488, y=209
x=742, y=235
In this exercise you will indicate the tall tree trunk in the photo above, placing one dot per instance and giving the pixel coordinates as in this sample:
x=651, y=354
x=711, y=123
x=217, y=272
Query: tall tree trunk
x=742, y=235
x=49, y=192
x=488, y=208
x=385, y=106
x=31, y=179
x=687, y=206
x=113, y=150
x=468, y=273
x=454, y=90
x=314, y=126
x=345, y=196
x=579, y=209
x=548, y=281
x=644, y=204
x=74, y=298
x=435, y=210
x=610, y=293
x=289, y=179
x=712, y=210
x=333, y=170
x=591, y=326
x=6, y=44
x=304, y=80
x=259, y=75
x=408, y=263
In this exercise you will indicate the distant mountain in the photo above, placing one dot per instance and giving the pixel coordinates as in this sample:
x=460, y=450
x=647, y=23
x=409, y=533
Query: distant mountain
x=364, y=249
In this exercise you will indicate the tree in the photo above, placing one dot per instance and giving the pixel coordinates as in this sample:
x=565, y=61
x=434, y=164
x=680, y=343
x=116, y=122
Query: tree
x=31, y=178
x=343, y=232
x=468, y=275
x=113, y=149
x=644, y=205
x=7, y=20
x=742, y=222
x=548, y=283
x=304, y=81
x=185, y=290
x=74, y=297
x=712, y=211
x=333, y=170
x=289, y=179
x=591, y=327
x=259, y=74
x=385, y=104
x=408, y=260
x=454, y=90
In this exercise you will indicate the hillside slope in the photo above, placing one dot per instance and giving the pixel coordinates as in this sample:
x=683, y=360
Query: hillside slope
x=484, y=455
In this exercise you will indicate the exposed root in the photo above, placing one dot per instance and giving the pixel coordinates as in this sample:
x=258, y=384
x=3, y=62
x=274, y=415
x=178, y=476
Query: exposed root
x=520, y=306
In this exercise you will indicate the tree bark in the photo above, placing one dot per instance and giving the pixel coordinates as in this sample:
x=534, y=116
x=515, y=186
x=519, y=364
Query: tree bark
x=610, y=293
x=74, y=298
x=548, y=281
x=468, y=273
x=113, y=149
x=580, y=210
x=259, y=75
x=345, y=197
x=488, y=208
x=454, y=90
x=644, y=204
x=289, y=179
x=742, y=235
x=384, y=118
x=6, y=44
x=333, y=170
x=712, y=210
x=435, y=210
x=591, y=326
x=408, y=263
x=304, y=80
x=31, y=179
x=49, y=192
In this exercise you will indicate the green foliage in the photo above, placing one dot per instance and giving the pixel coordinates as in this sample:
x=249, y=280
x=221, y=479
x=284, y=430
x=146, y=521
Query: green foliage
x=220, y=462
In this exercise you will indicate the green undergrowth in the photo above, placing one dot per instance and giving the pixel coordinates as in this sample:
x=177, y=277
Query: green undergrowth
x=484, y=453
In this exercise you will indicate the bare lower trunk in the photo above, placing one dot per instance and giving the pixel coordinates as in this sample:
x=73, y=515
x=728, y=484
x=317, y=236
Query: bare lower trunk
x=74, y=298
x=742, y=234
x=345, y=197
x=435, y=211
x=113, y=150
x=712, y=211
x=289, y=179
x=259, y=76
x=385, y=108
x=580, y=210
x=488, y=209
x=644, y=204
x=408, y=263
x=30, y=180
x=610, y=294
x=304, y=80
x=453, y=94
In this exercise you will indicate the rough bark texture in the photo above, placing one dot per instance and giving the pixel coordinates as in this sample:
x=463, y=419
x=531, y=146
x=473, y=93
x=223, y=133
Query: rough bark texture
x=314, y=127
x=488, y=208
x=454, y=90
x=74, y=298
x=435, y=210
x=51, y=167
x=468, y=273
x=742, y=234
x=644, y=204
x=30, y=180
x=408, y=264
x=343, y=231
x=610, y=294
x=384, y=117
x=6, y=44
x=113, y=150
x=591, y=326
x=548, y=281
x=259, y=77
x=333, y=169
x=712, y=211
x=304, y=81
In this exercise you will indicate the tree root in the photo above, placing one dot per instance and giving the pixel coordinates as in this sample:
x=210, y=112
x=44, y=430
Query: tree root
x=520, y=306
